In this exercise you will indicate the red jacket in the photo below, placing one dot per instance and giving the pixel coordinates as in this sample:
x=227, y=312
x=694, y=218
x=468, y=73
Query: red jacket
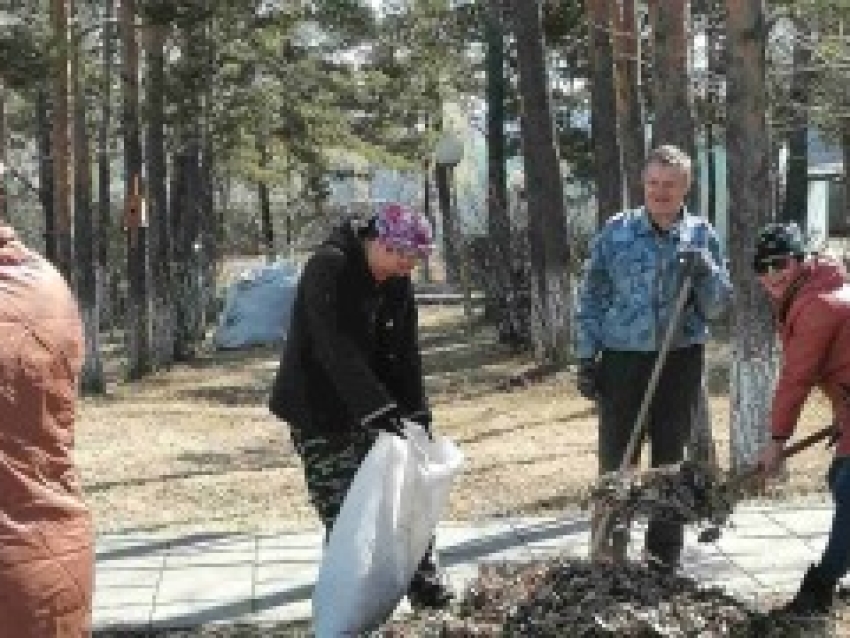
x=46, y=539
x=815, y=333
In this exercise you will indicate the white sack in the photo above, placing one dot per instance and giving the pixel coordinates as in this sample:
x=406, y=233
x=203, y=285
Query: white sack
x=383, y=530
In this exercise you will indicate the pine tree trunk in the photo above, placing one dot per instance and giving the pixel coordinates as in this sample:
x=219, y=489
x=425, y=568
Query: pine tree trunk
x=629, y=108
x=63, y=205
x=502, y=298
x=265, y=200
x=844, y=225
x=162, y=318
x=603, y=113
x=105, y=223
x=673, y=121
x=715, y=43
x=210, y=247
x=4, y=204
x=92, y=380
x=544, y=189
x=425, y=267
x=451, y=252
x=187, y=198
x=45, y=172
x=181, y=275
x=138, y=321
x=748, y=144
x=797, y=176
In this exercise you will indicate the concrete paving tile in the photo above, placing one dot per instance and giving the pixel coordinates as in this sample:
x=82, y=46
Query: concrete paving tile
x=140, y=540
x=748, y=523
x=804, y=522
x=298, y=540
x=289, y=554
x=115, y=597
x=278, y=572
x=210, y=559
x=237, y=544
x=194, y=583
x=107, y=577
x=736, y=546
x=122, y=616
x=712, y=570
x=291, y=612
x=132, y=552
x=286, y=590
x=450, y=534
x=191, y=613
x=781, y=580
x=151, y=563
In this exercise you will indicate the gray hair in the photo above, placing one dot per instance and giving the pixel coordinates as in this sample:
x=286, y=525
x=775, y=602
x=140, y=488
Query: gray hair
x=669, y=155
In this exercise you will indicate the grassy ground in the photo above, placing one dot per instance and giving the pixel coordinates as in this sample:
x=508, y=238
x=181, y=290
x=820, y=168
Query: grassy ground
x=196, y=447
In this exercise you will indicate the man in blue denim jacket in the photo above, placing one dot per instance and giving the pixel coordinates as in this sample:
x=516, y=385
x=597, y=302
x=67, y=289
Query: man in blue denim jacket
x=625, y=304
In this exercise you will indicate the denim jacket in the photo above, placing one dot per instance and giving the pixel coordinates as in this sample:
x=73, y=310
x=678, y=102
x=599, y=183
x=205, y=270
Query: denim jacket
x=632, y=279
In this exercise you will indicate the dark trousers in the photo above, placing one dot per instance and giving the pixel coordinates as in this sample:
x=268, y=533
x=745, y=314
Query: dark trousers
x=623, y=379
x=835, y=561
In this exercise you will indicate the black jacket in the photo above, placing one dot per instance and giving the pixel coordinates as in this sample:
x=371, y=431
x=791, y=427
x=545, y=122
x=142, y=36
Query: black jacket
x=352, y=352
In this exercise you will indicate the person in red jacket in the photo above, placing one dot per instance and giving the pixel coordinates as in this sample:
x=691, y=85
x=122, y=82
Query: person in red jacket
x=811, y=297
x=46, y=537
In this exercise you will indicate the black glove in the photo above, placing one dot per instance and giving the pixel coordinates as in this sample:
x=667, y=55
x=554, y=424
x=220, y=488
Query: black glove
x=587, y=381
x=696, y=261
x=389, y=421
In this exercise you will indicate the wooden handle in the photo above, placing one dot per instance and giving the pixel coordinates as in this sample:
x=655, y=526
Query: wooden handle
x=808, y=441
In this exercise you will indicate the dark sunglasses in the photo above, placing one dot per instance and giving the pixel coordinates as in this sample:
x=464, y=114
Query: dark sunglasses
x=771, y=265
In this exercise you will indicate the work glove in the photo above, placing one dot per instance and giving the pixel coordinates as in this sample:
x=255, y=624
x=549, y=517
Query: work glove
x=389, y=421
x=696, y=261
x=587, y=380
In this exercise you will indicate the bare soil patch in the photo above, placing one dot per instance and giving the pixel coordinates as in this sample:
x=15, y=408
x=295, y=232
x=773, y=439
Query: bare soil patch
x=196, y=447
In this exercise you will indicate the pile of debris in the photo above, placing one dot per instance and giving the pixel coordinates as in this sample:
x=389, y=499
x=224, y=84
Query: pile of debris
x=688, y=493
x=568, y=597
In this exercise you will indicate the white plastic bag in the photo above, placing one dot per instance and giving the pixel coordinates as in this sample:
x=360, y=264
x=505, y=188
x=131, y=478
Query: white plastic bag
x=383, y=530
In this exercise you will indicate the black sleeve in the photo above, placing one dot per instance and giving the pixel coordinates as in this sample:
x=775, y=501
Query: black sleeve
x=413, y=400
x=343, y=362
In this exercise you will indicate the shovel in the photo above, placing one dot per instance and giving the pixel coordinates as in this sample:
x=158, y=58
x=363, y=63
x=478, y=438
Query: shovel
x=739, y=480
x=686, y=493
x=601, y=529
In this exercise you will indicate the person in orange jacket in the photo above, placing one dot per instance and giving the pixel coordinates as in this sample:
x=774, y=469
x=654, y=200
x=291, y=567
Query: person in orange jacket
x=811, y=298
x=46, y=537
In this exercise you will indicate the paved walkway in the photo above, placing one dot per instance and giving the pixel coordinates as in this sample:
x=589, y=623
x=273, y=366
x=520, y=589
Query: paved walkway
x=147, y=580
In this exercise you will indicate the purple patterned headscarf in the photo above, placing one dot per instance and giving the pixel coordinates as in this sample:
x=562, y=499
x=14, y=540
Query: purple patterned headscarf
x=400, y=226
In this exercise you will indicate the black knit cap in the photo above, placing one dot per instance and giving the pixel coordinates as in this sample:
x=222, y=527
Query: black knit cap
x=778, y=240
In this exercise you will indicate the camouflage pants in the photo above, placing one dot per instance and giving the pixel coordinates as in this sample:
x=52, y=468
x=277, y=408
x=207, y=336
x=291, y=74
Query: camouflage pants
x=329, y=469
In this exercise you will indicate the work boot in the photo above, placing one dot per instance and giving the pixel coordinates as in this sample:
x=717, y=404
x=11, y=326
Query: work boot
x=429, y=588
x=815, y=596
x=429, y=591
x=614, y=542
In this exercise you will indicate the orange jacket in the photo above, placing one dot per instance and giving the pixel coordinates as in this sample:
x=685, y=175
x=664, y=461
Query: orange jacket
x=815, y=334
x=46, y=539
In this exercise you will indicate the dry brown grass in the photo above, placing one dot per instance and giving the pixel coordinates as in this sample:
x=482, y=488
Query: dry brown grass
x=195, y=446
